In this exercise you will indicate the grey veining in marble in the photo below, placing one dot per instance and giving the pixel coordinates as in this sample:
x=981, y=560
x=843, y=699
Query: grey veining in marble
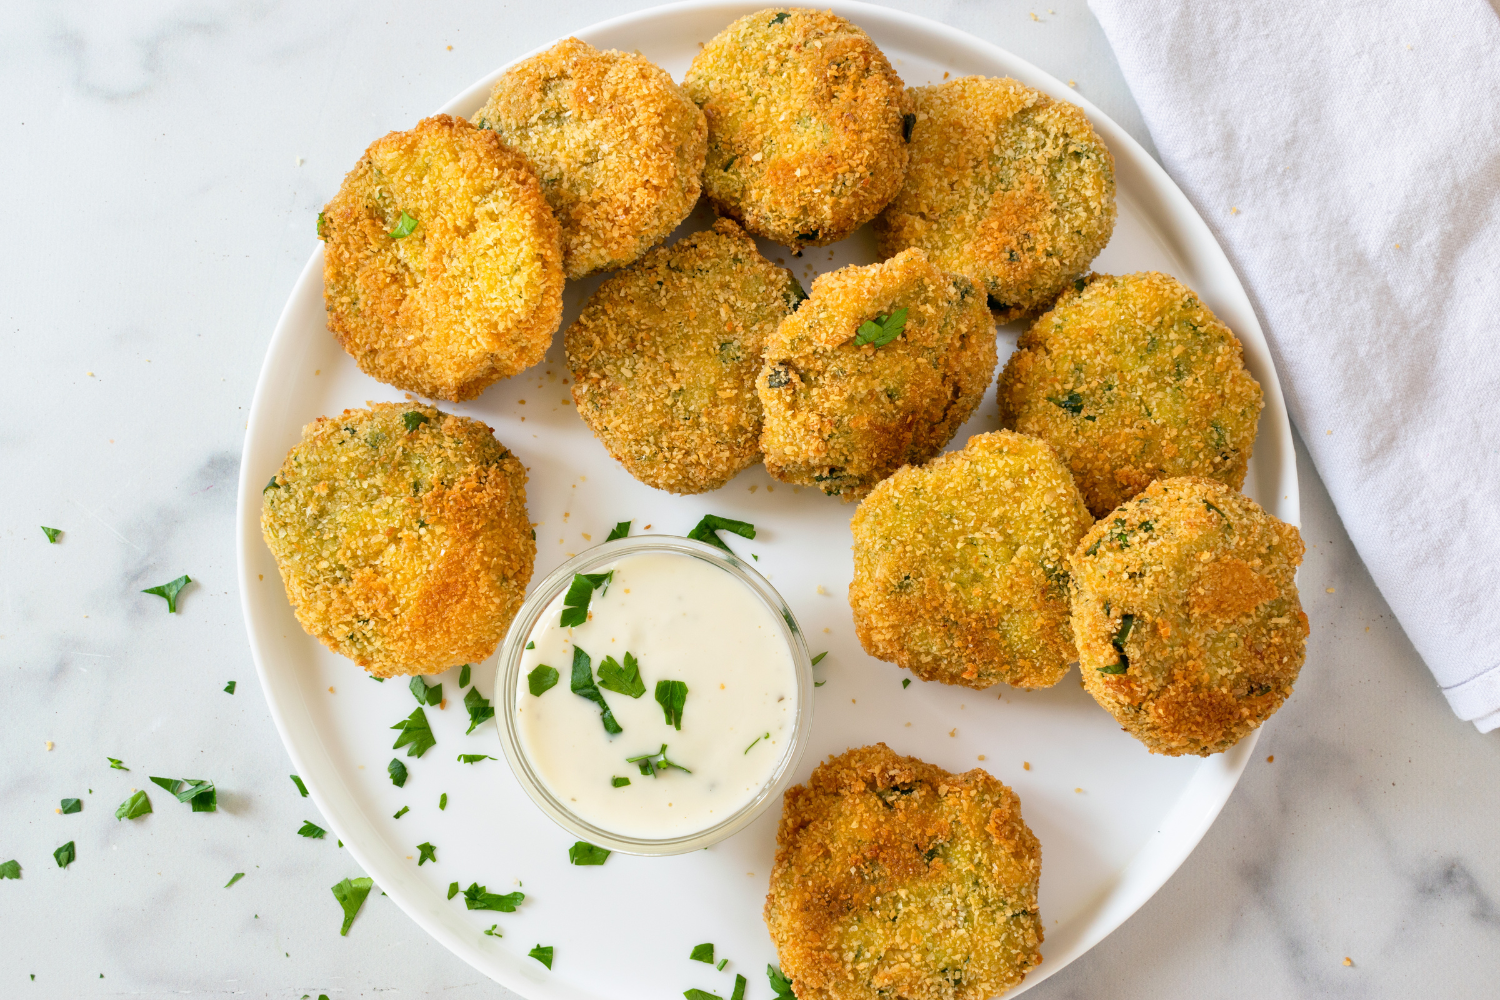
x=163, y=164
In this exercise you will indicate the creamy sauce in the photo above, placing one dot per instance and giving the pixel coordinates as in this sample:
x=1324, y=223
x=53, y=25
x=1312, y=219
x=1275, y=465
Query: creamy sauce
x=683, y=620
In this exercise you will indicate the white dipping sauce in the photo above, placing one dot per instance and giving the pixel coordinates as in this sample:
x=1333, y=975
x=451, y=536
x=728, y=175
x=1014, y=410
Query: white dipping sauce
x=682, y=619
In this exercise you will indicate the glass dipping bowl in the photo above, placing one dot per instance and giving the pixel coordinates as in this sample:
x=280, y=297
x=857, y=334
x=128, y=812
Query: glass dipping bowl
x=508, y=682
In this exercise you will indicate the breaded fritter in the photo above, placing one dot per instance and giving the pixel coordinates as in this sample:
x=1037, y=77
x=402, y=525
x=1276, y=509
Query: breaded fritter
x=664, y=358
x=960, y=565
x=896, y=879
x=1006, y=185
x=805, y=126
x=618, y=147
x=402, y=537
x=842, y=415
x=1185, y=607
x=442, y=270
x=1132, y=379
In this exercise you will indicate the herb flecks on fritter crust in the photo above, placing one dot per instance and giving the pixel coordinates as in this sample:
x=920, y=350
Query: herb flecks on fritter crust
x=1005, y=185
x=1132, y=379
x=665, y=354
x=960, y=565
x=805, y=125
x=402, y=537
x=617, y=144
x=842, y=415
x=1185, y=608
x=442, y=268
x=895, y=878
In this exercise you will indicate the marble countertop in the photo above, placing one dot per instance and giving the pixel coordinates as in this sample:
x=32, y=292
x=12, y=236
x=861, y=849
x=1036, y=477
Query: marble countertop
x=164, y=163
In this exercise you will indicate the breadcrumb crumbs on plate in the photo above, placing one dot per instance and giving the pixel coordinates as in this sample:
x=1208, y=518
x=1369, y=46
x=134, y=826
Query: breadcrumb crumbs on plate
x=330, y=690
x=49, y=744
x=1331, y=590
x=1348, y=960
x=1026, y=765
x=1270, y=758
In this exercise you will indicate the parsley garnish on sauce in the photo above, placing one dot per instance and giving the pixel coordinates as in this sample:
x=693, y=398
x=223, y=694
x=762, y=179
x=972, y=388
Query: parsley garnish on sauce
x=619, y=782
x=576, y=604
x=51, y=533
x=672, y=696
x=312, y=831
x=881, y=330
x=473, y=758
x=479, y=708
x=11, y=869
x=618, y=531
x=169, y=591
x=706, y=530
x=703, y=953
x=233, y=879
x=541, y=680
x=134, y=807
x=648, y=763
x=542, y=953
x=477, y=898
x=583, y=685
x=424, y=694
x=300, y=786
x=426, y=853
x=66, y=855
x=229, y=687
x=395, y=769
x=198, y=792
x=70, y=806
x=415, y=731
x=404, y=226
x=463, y=676
x=351, y=895
x=762, y=736
x=624, y=679
x=532, y=644
x=116, y=765
x=780, y=985
x=584, y=853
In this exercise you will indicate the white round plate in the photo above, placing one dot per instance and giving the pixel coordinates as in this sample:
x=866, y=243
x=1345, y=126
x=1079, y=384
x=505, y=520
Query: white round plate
x=1114, y=821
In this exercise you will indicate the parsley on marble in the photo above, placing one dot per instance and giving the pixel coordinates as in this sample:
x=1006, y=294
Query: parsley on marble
x=169, y=591
x=52, y=534
x=672, y=696
x=619, y=782
x=542, y=953
x=624, y=679
x=425, y=694
x=703, y=953
x=473, y=758
x=395, y=769
x=479, y=709
x=708, y=527
x=541, y=679
x=463, y=676
x=66, y=855
x=300, y=786
x=70, y=806
x=312, y=831
x=416, y=732
x=233, y=879
x=650, y=765
x=116, y=764
x=618, y=531
x=476, y=897
x=197, y=792
x=134, y=807
x=404, y=226
x=229, y=687
x=402, y=812
x=576, y=604
x=819, y=658
x=881, y=330
x=583, y=685
x=584, y=853
x=426, y=853
x=10, y=869
x=351, y=893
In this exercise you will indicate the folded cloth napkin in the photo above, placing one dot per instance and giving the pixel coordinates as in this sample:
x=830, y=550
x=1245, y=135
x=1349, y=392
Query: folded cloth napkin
x=1347, y=157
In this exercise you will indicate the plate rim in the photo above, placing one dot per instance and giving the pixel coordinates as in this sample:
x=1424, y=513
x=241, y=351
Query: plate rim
x=1200, y=801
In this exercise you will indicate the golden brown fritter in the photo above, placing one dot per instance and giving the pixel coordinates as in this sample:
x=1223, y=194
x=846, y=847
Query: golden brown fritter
x=1006, y=185
x=664, y=358
x=1185, y=609
x=618, y=146
x=896, y=879
x=401, y=536
x=805, y=125
x=1132, y=379
x=442, y=270
x=960, y=565
x=842, y=415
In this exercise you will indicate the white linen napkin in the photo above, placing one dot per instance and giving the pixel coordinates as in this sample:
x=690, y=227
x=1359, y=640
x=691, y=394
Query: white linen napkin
x=1347, y=157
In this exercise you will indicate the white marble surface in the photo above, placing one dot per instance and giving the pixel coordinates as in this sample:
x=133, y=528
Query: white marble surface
x=163, y=164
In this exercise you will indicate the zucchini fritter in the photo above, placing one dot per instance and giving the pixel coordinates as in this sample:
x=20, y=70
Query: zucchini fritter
x=1006, y=185
x=960, y=565
x=805, y=126
x=442, y=270
x=1132, y=379
x=1185, y=608
x=897, y=879
x=402, y=537
x=664, y=358
x=618, y=147
x=842, y=415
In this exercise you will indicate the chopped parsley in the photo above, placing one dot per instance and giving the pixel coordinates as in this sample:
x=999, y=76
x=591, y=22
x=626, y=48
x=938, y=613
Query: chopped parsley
x=197, y=792
x=312, y=831
x=493, y=930
x=395, y=769
x=780, y=985
x=452, y=886
x=905, y=683
x=66, y=855
x=477, y=898
x=479, y=709
x=11, y=869
x=626, y=680
x=778, y=18
x=618, y=531
x=415, y=731
x=701, y=995
x=134, y=807
x=1072, y=402
x=576, y=604
x=584, y=853
x=541, y=680
x=320, y=225
x=708, y=527
x=881, y=330
x=473, y=758
x=303, y=788
x=404, y=226
x=463, y=676
x=413, y=419
x=672, y=696
x=70, y=806
x=442, y=804
x=703, y=953
x=619, y=782
x=233, y=879
x=531, y=645
x=819, y=658
x=426, y=853
x=116, y=764
x=51, y=533
x=169, y=591
x=229, y=687
x=351, y=895
x=648, y=763
x=424, y=694
x=762, y=736
x=583, y=685
x=1216, y=510
x=402, y=812
x=739, y=985
x=542, y=953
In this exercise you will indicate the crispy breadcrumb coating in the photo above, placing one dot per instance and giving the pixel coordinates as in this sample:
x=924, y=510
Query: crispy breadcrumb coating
x=473, y=292
x=896, y=879
x=1006, y=185
x=664, y=358
x=1131, y=379
x=1185, y=607
x=401, y=536
x=960, y=565
x=618, y=147
x=842, y=416
x=805, y=125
